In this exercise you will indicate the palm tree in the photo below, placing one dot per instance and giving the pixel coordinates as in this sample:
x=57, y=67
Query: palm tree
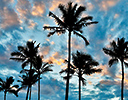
x=82, y=64
x=6, y=86
x=28, y=80
x=118, y=52
x=72, y=23
x=26, y=53
x=41, y=69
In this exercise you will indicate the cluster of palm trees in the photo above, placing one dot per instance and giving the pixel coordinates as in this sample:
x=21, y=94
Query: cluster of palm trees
x=28, y=55
x=82, y=63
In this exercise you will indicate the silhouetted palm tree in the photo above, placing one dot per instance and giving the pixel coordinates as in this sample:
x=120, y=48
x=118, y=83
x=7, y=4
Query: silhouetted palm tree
x=28, y=80
x=71, y=22
x=41, y=69
x=119, y=52
x=6, y=86
x=26, y=53
x=82, y=64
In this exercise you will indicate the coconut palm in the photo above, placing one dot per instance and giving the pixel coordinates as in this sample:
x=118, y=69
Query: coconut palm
x=118, y=52
x=72, y=23
x=27, y=80
x=82, y=64
x=41, y=68
x=26, y=53
x=6, y=86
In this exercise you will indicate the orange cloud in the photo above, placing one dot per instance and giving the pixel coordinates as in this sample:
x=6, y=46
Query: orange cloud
x=9, y=18
x=55, y=59
x=104, y=5
x=31, y=24
x=24, y=8
x=90, y=6
x=116, y=16
x=44, y=50
x=38, y=9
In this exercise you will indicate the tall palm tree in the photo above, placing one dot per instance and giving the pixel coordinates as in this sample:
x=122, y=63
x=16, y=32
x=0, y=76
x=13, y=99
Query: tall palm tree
x=41, y=69
x=118, y=52
x=26, y=53
x=28, y=80
x=82, y=64
x=6, y=86
x=72, y=23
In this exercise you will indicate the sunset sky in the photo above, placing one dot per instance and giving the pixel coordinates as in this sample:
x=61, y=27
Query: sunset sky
x=23, y=20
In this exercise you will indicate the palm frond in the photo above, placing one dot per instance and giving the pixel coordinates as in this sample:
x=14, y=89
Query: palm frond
x=51, y=28
x=65, y=77
x=18, y=59
x=77, y=34
x=62, y=9
x=84, y=19
x=89, y=23
x=16, y=86
x=1, y=80
x=59, y=22
x=14, y=92
x=24, y=64
x=126, y=64
x=112, y=61
x=83, y=81
x=79, y=11
x=21, y=48
x=16, y=53
x=74, y=8
x=109, y=52
x=62, y=71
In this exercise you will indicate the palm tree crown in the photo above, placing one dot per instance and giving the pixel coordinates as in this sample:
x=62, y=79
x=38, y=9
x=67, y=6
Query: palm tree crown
x=71, y=20
x=118, y=52
x=26, y=53
x=85, y=63
x=6, y=86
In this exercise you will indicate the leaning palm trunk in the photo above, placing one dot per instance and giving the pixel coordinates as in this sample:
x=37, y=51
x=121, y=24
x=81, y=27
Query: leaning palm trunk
x=27, y=93
x=79, y=84
x=122, y=84
x=69, y=57
x=5, y=95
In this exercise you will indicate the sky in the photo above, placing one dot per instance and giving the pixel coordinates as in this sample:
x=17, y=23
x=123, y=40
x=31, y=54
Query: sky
x=23, y=20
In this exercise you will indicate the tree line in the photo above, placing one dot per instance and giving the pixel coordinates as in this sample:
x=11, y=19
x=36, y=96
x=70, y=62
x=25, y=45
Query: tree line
x=82, y=63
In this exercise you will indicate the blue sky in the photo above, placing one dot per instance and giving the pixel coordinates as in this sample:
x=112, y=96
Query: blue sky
x=23, y=20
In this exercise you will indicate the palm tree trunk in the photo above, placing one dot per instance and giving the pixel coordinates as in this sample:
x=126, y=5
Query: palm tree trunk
x=27, y=93
x=39, y=87
x=30, y=93
x=79, y=84
x=5, y=95
x=122, y=84
x=69, y=57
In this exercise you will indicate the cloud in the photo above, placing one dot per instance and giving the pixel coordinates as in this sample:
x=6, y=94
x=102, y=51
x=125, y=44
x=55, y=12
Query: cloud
x=24, y=8
x=38, y=8
x=9, y=19
x=7, y=72
x=56, y=58
x=105, y=4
